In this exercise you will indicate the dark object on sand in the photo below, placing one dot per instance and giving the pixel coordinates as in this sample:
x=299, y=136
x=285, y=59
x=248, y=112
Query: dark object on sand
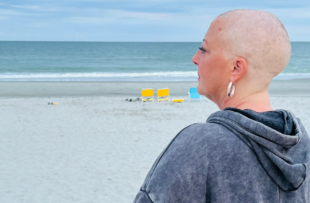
x=133, y=100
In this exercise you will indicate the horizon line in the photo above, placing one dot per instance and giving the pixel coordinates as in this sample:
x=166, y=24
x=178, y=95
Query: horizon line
x=111, y=41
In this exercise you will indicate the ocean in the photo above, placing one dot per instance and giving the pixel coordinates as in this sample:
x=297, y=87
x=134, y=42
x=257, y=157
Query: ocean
x=117, y=61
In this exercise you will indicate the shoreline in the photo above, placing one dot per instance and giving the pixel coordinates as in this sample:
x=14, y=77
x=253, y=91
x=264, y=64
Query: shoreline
x=294, y=87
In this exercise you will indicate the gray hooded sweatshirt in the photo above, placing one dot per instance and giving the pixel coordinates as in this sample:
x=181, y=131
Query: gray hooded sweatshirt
x=238, y=156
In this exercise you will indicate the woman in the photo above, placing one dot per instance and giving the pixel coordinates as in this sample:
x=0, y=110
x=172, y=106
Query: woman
x=247, y=152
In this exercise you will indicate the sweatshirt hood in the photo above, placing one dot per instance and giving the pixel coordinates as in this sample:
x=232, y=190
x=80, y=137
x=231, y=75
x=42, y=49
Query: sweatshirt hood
x=274, y=137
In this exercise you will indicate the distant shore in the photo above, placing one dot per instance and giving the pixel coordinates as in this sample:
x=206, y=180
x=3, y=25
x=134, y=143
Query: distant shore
x=295, y=87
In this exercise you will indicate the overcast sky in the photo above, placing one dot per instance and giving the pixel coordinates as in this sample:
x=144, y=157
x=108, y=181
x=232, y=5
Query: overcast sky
x=135, y=20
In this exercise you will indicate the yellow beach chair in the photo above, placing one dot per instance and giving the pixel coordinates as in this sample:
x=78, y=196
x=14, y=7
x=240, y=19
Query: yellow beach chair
x=163, y=94
x=147, y=95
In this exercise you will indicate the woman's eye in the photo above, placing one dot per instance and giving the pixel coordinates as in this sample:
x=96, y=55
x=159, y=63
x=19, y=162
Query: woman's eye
x=202, y=50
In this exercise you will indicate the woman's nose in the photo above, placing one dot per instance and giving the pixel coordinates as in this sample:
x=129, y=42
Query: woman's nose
x=195, y=59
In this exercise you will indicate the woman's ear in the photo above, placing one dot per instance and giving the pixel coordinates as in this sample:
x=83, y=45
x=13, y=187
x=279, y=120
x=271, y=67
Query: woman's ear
x=239, y=69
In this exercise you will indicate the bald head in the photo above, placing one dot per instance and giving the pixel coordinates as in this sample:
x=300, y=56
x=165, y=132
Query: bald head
x=257, y=36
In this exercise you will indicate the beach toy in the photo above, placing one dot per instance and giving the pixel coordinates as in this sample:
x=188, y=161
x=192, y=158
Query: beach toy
x=177, y=100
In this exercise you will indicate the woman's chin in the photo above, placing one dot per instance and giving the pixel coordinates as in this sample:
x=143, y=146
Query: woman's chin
x=199, y=89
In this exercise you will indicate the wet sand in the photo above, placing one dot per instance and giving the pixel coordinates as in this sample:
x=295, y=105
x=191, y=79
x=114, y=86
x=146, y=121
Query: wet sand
x=298, y=87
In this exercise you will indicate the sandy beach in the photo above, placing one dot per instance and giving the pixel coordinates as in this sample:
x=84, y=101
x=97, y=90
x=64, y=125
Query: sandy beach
x=93, y=146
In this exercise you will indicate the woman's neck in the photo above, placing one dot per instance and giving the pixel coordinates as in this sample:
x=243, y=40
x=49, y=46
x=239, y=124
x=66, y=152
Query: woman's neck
x=258, y=102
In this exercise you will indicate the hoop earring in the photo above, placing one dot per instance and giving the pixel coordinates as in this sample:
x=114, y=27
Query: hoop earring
x=230, y=94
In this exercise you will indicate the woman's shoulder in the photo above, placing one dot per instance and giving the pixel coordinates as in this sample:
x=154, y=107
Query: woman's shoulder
x=190, y=153
x=204, y=136
x=208, y=131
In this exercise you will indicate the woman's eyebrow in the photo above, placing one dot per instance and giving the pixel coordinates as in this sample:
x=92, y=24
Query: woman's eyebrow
x=204, y=40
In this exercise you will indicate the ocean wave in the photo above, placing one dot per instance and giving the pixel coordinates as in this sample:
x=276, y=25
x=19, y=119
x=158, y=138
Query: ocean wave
x=144, y=76
x=287, y=76
x=98, y=75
